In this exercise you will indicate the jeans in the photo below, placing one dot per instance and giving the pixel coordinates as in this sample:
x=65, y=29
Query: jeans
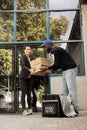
x=69, y=85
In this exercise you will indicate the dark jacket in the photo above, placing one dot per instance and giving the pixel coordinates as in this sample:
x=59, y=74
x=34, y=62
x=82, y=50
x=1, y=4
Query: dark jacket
x=25, y=66
x=62, y=59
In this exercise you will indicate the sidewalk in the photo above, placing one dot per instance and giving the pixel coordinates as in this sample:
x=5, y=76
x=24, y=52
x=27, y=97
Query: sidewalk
x=37, y=122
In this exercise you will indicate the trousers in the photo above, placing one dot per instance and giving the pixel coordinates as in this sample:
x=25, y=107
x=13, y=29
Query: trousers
x=26, y=87
x=69, y=85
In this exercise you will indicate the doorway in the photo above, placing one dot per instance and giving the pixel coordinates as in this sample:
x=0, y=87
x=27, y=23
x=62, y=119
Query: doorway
x=8, y=79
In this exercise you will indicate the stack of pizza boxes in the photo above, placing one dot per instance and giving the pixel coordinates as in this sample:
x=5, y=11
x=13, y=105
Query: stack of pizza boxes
x=40, y=63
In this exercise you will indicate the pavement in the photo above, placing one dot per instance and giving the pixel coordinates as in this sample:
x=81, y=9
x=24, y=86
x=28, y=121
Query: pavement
x=16, y=121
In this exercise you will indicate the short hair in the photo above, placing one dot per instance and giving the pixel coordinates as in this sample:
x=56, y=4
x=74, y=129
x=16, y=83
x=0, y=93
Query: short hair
x=24, y=47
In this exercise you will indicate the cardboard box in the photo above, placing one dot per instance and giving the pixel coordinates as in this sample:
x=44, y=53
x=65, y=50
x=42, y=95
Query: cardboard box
x=39, y=63
x=38, y=72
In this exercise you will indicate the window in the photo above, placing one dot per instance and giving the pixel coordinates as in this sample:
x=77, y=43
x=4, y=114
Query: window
x=32, y=21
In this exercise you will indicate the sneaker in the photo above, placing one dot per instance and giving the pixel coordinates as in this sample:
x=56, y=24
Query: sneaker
x=25, y=113
x=76, y=111
x=29, y=111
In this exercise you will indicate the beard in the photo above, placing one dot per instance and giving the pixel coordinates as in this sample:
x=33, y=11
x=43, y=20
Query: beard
x=48, y=50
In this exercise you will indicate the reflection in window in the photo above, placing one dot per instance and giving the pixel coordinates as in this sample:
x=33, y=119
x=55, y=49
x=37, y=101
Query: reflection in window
x=65, y=22
x=76, y=53
x=33, y=23
x=31, y=4
x=31, y=26
x=5, y=61
x=6, y=4
x=6, y=27
x=55, y=4
x=58, y=27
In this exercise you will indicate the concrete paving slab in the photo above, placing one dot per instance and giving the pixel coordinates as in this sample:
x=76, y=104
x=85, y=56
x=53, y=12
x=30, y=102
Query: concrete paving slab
x=37, y=122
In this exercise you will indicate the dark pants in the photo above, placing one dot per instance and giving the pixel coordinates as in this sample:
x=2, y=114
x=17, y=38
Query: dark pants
x=25, y=85
x=34, y=99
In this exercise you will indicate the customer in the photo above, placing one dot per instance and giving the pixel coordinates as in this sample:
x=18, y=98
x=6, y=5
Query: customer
x=25, y=80
x=62, y=60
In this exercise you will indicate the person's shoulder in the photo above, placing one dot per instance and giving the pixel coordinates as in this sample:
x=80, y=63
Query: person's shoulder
x=23, y=57
x=61, y=49
x=32, y=57
x=57, y=48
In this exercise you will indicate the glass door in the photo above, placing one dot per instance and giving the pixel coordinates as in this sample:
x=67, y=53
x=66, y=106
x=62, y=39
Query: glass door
x=7, y=78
